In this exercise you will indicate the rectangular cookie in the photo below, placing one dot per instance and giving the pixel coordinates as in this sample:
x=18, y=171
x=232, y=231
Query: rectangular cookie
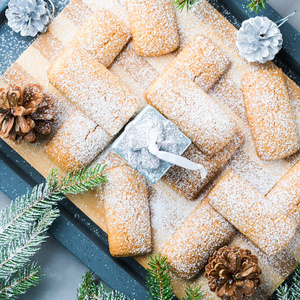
x=286, y=193
x=93, y=89
x=203, y=232
x=195, y=113
x=127, y=212
x=77, y=142
x=153, y=25
x=270, y=114
x=103, y=36
x=202, y=61
x=189, y=183
x=250, y=212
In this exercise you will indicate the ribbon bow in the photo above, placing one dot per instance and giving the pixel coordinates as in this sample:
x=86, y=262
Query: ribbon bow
x=158, y=142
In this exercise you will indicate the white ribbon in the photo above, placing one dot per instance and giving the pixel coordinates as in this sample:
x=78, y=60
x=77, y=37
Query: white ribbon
x=171, y=157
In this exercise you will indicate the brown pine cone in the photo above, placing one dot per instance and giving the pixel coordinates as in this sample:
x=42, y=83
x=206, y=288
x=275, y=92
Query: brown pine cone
x=233, y=273
x=25, y=112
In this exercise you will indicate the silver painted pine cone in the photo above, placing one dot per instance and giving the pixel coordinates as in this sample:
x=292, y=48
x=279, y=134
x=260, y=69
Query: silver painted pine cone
x=29, y=17
x=259, y=39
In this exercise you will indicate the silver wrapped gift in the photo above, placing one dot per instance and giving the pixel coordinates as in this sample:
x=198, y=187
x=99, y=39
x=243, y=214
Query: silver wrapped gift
x=150, y=127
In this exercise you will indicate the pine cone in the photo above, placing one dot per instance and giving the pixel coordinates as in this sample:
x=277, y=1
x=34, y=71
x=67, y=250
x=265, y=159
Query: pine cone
x=233, y=273
x=259, y=39
x=25, y=112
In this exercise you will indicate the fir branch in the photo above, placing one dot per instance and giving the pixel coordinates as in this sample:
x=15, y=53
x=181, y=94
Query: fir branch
x=28, y=208
x=18, y=251
x=193, y=293
x=159, y=279
x=180, y=4
x=84, y=288
x=292, y=292
x=23, y=226
x=91, y=290
x=86, y=179
x=256, y=4
x=21, y=282
x=18, y=217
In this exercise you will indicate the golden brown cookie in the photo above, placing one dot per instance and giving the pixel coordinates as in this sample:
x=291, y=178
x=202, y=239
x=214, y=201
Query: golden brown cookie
x=153, y=25
x=195, y=113
x=190, y=183
x=103, y=36
x=127, y=212
x=93, y=89
x=286, y=193
x=245, y=208
x=194, y=242
x=202, y=61
x=270, y=114
x=77, y=142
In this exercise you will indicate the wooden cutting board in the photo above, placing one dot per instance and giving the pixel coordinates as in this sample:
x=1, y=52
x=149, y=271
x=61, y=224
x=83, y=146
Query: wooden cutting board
x=168, y=209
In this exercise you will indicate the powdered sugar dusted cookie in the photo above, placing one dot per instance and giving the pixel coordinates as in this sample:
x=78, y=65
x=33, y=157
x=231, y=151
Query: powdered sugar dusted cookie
x=190, y=183
x=270, y=114
x=77, y=142
x=286, y=193
x=103, y=36
x=203, y=61
x=194, y=242
x=127, y=212
x=258, y=219
x=153, y=25
x=193, y=111
x=93, y=89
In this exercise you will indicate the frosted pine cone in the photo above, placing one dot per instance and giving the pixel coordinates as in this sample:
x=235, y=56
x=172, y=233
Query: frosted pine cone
x=259, y=39
x=29, y=17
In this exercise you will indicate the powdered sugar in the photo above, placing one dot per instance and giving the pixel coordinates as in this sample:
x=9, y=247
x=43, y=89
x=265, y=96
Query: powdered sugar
x=251, y=214
x=203, y=232
x=156, y=32
x=270, y=114
x=193, y=111
x=92, y=88
x=77, y=142
x=127, y=212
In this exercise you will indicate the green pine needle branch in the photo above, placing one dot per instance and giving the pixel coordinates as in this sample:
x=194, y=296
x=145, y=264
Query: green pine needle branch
x=23, y=226
x=91, y=289
x=256, y=5
x=193, y=294
x=20, y=282
x=181, y=4
x=159, y=279
x=291, y=292
x=253, y=6
x=158, y=282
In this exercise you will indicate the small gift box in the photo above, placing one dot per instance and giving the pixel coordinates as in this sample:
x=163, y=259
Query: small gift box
x=148, y=141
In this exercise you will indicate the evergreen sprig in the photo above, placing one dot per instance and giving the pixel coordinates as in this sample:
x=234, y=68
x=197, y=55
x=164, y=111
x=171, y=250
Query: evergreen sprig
x=181, y=4
x=256, y=5
x=20, y=282
x=19, y=251
x=23, y=226
x=17, y=217
x=159, y=279
x=193, y=293
x=292, y=292
x=253, y=6
x=92, y=289
x=158, y=284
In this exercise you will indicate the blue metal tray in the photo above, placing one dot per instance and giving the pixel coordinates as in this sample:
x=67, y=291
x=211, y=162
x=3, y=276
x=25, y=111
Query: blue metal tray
x=74, y=229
